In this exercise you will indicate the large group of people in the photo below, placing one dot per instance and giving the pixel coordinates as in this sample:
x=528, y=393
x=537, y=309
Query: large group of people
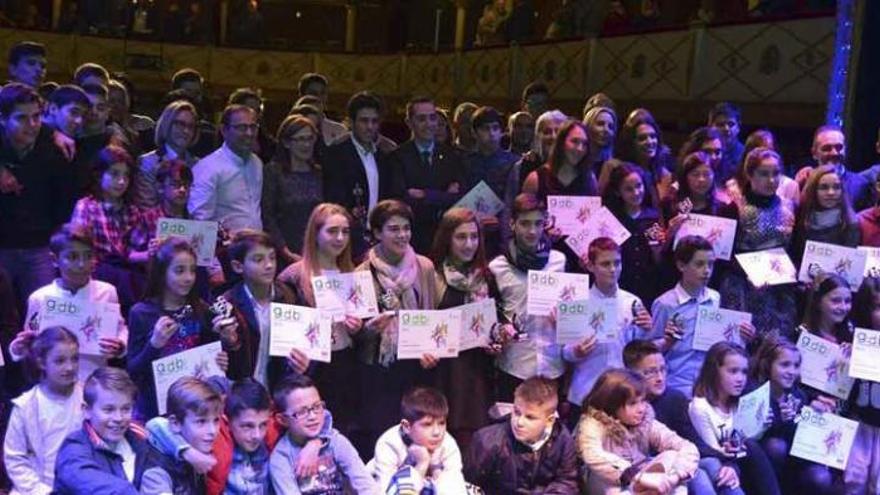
x=85, y=185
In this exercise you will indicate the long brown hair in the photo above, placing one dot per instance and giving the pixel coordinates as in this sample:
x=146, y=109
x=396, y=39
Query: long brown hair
x=706, y=385
x=452, y=219
x=557, y=151
x=809, y=203
x=316, y=222
x=824, y=284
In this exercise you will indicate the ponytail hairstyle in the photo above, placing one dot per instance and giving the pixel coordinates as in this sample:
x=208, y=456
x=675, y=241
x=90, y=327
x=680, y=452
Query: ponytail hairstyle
x=42, y=344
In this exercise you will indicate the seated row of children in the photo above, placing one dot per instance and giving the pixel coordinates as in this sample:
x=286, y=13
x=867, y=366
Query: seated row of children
x=220, y=437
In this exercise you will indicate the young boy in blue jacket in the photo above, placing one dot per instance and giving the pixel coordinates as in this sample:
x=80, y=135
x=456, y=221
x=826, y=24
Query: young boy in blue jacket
x=107, y=456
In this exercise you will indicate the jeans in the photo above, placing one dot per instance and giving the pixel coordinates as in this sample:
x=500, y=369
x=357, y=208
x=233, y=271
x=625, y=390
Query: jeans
x=28, y=269
x=704, y=479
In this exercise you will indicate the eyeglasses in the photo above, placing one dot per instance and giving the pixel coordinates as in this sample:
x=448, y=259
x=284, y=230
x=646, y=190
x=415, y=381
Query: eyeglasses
x=245, y=127
x=305, y=412
x=648, y=373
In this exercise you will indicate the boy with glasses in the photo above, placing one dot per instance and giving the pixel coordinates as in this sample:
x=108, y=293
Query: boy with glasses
x=301, y=410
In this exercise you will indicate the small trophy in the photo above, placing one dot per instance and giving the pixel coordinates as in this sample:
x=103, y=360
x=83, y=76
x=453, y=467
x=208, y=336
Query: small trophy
x=223, y=309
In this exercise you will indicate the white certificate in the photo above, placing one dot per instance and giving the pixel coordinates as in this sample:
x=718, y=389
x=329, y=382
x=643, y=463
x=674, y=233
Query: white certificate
x=546, y=289
x=477, y=320
x=90, y=321
x=569, y=214
x=346, y=294
x=863, y=362
x=482, y=200
x=201, y=235
x=823, y=438
x=298, y=327
x=428, y=332
x=200, y=362
x=823, y=365
x=719, y=231
x=751, y=413
x=847, y=262
x=770, y=267
x=716, y=325
x=578, y=320
x=872, y=260
x=602, y=223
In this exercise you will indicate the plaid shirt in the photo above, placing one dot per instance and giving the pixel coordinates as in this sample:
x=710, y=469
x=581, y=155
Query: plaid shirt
x=115, y=231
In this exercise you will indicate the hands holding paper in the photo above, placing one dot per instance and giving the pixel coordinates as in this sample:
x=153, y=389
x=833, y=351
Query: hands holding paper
x=583, y=349
x=378, y=323
x=298, y=361
x=111, y=347
x=429, y=361
x=747, y=331
x=223, y=361
x=824, y=404
x=353, y=324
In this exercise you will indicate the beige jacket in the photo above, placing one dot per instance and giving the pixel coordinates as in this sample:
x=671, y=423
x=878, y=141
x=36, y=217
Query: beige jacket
x=608, y=448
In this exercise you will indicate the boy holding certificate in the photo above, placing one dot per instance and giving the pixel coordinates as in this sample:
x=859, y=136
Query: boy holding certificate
x=535, y=352
x=252, y=256
x=675, y=312
x=590, y=358
x=73, y=254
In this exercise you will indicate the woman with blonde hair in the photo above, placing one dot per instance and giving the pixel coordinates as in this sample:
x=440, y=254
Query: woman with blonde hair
x=176, y=132
x=327, y=250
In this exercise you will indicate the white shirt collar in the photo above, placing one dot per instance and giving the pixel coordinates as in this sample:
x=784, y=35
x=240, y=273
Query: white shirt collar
x=683, y=296
x=361, y=149
x=238, y=160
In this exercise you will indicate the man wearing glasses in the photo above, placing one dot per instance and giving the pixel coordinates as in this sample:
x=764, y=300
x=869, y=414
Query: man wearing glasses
x=228, y=183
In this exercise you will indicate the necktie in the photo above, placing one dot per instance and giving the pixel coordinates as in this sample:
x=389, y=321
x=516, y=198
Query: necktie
x=426, y=158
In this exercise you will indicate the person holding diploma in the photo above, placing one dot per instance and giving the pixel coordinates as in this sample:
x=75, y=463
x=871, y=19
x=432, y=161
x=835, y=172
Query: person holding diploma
x=696, y=193
x=778, y=361
x=72, y=252
x=326, y=251
x=764, y=221
x=862, y=474
x=825, y=213
x=717, y=391
x=463, y=277
x=173, y=179
x=625, y=195
x=403, y=280
x=529, y=344
x=827, y=315
x=634, y=321
x=170, y=319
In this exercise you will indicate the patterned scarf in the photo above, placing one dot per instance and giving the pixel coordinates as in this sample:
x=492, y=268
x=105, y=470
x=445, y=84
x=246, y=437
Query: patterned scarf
x=472, y=283
x=397, y=283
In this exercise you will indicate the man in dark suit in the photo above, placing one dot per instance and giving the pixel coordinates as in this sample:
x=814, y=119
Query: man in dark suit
x=357, y=175
x=429, y=175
